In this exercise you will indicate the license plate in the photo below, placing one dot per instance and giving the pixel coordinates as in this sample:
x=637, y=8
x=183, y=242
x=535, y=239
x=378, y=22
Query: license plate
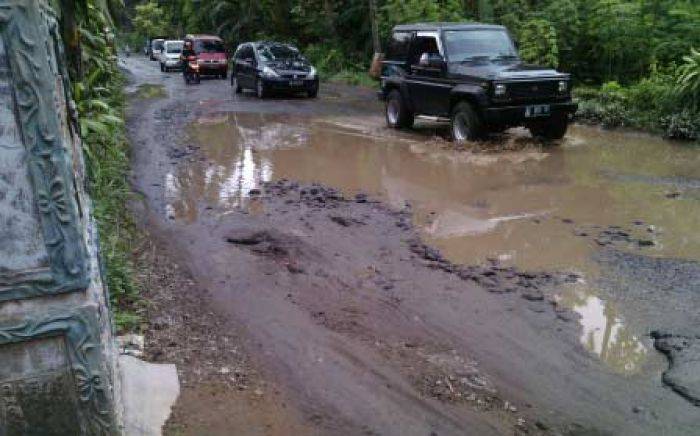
x=296, y=82
x=538, y=110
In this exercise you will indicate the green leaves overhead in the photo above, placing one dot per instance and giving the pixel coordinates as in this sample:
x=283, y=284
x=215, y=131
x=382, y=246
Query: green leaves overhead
x=149, y=20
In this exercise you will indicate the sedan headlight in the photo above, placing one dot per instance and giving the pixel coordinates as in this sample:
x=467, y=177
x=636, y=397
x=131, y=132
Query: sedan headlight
x=312, y=73
x=269, y=72
x=563, y=86
x=499, y=90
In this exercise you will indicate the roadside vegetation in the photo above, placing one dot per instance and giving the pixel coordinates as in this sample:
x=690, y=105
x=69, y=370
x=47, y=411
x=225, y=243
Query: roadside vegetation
x=98, y=93
x=632, y=60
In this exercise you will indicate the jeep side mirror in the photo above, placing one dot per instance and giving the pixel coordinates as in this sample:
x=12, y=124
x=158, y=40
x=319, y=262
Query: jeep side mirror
x=431, y=60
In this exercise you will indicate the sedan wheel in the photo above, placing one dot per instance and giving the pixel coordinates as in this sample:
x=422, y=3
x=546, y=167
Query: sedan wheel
x=234, y=84
x=260, y=89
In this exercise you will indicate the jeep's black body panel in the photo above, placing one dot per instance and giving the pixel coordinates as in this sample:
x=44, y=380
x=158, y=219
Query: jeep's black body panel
x=434, y=89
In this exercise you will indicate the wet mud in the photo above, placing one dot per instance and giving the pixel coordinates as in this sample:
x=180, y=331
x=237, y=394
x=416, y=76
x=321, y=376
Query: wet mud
x=380, y=271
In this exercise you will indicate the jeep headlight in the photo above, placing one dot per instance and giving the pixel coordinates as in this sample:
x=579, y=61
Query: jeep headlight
x=563, y=86
x=499, y=90
x=312, y=73
x=269, y=72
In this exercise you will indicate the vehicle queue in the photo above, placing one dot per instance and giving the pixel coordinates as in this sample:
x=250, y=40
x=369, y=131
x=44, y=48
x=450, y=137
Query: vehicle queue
x=467, y=74
x=265, y=67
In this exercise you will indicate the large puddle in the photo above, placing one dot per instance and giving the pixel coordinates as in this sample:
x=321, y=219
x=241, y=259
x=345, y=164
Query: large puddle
x=550, y=209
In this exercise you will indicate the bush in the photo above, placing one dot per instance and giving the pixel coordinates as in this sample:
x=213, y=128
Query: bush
x=688, y=81
x=327, y=59
x=538, y=42
x=100, y=104
x=650, y=104
x=684, y=125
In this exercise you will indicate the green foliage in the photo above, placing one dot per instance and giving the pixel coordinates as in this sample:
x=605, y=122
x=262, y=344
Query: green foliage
x=538, y=42
x=394, y=12
x=149, y=20
x=688, y=81
x=100, y=105
x=683, y=125
x=651, y=104
x=565, y=17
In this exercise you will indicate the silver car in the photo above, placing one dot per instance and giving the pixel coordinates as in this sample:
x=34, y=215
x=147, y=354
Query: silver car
x=156, y=48
x=170, y=56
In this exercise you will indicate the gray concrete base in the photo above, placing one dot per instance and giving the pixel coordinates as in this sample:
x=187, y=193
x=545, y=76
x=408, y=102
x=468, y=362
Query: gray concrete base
x=148, y=393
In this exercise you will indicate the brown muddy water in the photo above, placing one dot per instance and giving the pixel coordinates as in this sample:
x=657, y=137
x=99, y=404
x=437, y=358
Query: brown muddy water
x=537, y=208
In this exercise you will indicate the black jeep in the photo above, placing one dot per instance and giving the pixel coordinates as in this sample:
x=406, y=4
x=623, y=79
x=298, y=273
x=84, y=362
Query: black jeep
x=472, y=74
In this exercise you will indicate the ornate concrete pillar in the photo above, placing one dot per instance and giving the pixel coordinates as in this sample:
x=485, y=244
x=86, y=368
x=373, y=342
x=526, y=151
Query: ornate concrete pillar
x=57, y=359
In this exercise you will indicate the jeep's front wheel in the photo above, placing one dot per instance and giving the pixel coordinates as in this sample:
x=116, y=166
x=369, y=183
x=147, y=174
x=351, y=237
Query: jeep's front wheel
x=466, y=125
x=551, y=129
x=398, y=116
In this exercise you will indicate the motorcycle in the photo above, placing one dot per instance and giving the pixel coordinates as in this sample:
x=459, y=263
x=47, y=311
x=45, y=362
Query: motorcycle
x=191, y=70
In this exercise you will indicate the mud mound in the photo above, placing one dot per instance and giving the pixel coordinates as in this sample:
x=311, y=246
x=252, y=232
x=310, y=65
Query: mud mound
x=683, y=352
x=288, y=249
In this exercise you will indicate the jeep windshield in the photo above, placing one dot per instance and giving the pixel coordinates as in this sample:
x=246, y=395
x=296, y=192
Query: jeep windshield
x=278, y=52
x=482, y=44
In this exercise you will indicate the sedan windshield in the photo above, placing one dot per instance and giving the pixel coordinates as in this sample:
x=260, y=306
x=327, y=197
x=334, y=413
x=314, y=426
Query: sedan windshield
x=208, y=46
x=472, y=44
x=158, y=44
x=277, y=52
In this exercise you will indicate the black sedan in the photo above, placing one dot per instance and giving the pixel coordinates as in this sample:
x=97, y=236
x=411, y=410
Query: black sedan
x=269, y=67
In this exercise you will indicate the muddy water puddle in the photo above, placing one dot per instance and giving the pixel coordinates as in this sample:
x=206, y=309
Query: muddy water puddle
x=539, y=209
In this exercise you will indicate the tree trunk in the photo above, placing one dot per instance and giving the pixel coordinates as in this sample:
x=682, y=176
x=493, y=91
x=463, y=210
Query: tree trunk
x=375, y=69
x=376, y=44
x=71, y=38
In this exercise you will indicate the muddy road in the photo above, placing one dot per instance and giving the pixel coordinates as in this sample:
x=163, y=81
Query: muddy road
x=388, y=284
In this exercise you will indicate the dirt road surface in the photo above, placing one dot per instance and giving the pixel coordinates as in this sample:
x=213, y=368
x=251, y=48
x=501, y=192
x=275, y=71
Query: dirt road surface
x=383, y=283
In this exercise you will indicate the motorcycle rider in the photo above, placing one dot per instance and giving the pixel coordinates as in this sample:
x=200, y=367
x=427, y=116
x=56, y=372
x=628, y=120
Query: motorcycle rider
x=187, y=51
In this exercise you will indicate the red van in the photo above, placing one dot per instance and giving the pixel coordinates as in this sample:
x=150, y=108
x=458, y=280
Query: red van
x=211, y=55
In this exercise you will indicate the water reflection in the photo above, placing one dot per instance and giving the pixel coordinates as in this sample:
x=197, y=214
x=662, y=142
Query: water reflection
x=605, y=333
x=509, y=206
x=233, y=168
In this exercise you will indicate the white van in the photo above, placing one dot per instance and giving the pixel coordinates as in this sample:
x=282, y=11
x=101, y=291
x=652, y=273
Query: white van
x=170, y=56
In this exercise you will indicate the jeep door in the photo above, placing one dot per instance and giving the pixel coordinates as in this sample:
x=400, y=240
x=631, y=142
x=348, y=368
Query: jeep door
x=429, y=89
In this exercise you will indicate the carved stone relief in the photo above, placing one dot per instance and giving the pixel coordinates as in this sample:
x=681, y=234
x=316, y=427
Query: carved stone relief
x=21, y=243
x=38, y=96
x=50, y=380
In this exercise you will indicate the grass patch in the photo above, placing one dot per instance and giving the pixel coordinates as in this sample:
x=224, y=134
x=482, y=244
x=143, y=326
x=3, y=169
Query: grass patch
x=148, y=91
x=108, y=163
x=356, y=78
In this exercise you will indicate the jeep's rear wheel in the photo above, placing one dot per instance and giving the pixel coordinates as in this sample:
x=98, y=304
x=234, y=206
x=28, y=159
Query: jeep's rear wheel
x=550, y=129
x=398, y=116
x=466, y=124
